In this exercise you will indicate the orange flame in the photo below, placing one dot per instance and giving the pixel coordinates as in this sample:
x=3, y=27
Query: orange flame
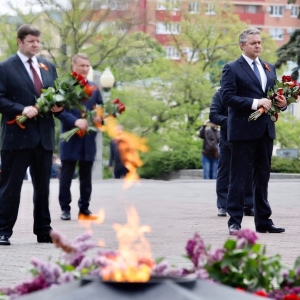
x=129, y=146
x=134, y=262
x=87, y=221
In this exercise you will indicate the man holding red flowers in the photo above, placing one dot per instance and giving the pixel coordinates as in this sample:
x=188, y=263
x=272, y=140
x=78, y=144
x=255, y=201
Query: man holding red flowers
x=81, y=147
x=244, y=86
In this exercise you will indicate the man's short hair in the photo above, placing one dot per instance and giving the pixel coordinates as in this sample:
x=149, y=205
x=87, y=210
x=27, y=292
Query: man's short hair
x=244, y=34
x=26, y=29
x=79, y=55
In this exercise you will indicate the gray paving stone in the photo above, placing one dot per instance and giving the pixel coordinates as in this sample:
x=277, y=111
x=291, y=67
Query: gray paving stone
x=174, y=210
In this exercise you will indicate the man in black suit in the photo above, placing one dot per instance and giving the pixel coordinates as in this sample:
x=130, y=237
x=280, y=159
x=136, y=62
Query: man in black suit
x=115, y=161
x=218, y=115
x=81, y=149
x=244, y=86
x=21, y=80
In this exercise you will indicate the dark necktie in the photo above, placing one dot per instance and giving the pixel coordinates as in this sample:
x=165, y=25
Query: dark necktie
x=36, y=79
x=256, y=71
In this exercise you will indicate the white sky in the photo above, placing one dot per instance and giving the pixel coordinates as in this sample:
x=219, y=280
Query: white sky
x=24, y=4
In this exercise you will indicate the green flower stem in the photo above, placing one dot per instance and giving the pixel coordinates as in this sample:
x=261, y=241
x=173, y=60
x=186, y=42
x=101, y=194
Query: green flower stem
x=68, y=134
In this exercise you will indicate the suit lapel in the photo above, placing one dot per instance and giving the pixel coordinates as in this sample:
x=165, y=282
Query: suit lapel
x=249, y=70
x=270, y=80
x=22, y=70
x=44, y=73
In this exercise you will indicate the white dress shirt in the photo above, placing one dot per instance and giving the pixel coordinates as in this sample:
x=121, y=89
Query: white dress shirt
x=35, y=64
x=263, y=76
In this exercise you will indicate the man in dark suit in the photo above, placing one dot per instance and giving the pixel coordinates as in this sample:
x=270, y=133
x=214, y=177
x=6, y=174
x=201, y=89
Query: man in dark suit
x=244, y=87
x=115, y=161
x=78, y=149
x=21, y=80
x=218, y=115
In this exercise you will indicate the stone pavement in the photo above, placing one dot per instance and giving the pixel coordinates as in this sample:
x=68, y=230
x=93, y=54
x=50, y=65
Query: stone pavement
x=175, y=210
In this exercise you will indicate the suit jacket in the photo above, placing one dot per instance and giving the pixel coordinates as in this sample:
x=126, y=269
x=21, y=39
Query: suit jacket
x=17, y=91
x=78, y=148
x=239, y=86
x=218, y=114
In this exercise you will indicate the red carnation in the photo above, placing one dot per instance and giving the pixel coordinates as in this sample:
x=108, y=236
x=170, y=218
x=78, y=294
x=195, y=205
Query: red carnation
x=79, y=77
x=291, y=297
x=286, y=78
x=121, y=108
x=116, y=101
x=261, y=293
x=88, y=89
x=74, y=74
x=83, y=82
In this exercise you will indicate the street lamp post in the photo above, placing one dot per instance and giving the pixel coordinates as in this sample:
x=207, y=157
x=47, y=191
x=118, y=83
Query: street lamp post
x=106, y=83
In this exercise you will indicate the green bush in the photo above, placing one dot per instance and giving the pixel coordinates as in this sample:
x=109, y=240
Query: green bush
x=157, y=164
x=285, y=165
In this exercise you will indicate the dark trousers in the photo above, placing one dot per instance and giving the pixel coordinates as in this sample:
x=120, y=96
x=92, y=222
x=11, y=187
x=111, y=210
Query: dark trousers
x=85, y=183
x=14, y=166
x=120, y=172
x=223, y=178
x=255, y=154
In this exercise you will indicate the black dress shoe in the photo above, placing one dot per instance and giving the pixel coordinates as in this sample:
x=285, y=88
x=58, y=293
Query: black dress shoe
x=65, y=215
x=44, y=239
x=222, y=212
x=233, y=228
x=249, y=212
x=4, y=240
x=270, y=229
x=87, y=215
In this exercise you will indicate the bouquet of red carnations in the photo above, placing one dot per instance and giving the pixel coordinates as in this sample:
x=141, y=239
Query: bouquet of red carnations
x=95, y=117
x=69, y=91
x=288, y=88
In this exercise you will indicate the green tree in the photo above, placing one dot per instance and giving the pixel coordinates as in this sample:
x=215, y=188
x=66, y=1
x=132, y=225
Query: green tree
x=290, y=52
x=288, y=131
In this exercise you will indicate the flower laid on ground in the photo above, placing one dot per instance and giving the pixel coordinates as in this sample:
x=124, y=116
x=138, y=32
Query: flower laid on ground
x=69, y=90
x=287, y=88
x=100, y=112
x=241, y=263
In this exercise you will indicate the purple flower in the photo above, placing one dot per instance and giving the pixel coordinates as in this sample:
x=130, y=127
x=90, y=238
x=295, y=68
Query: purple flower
x=215, y=255
x=249, y=235
x=65, y=277
x=195, y=249
x=202, y=274
x=38, y=283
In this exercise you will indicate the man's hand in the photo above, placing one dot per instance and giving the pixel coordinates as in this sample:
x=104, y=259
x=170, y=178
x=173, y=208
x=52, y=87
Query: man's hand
x=30, y=111
x=56, y=108
x=280, y=101
x=265, y=103
x=82, y=124
x=206, y=122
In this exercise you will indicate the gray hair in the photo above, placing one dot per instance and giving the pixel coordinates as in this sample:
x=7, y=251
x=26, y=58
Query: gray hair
x=244, y=34
x=79, y=55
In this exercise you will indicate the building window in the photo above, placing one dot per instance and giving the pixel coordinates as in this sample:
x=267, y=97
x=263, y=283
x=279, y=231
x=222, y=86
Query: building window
x=168, y=28
x=109, y=4
x=251, y=9
x=276, y=11
x=294, y=11
x=210, y=9
x=276, y=33
x=194, y=8
x=192, y=55
x=168, y=4
x=172, y=53
x=290, y=30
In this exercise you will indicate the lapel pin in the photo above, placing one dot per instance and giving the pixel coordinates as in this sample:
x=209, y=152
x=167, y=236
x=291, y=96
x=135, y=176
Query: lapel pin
x=42, y=66
x=267, y=67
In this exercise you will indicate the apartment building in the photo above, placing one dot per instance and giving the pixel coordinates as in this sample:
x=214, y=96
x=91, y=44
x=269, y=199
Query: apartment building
x=275, y=17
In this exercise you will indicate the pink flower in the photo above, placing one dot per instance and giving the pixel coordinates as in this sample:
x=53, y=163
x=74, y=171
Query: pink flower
x=247, y=234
